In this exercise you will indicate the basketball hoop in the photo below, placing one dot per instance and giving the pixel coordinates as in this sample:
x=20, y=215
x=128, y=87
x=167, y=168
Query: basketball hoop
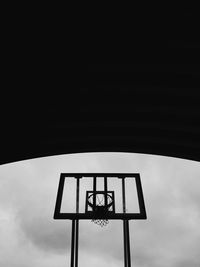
x=101, y=207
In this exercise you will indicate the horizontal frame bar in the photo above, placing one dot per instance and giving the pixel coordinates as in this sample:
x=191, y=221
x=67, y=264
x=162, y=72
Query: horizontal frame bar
x=115, y=216
x=109, y=175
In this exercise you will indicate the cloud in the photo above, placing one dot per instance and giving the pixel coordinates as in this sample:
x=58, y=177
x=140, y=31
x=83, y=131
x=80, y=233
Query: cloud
x=169, y=237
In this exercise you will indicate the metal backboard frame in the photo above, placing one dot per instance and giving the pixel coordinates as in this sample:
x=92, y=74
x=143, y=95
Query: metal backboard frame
x=58, y=215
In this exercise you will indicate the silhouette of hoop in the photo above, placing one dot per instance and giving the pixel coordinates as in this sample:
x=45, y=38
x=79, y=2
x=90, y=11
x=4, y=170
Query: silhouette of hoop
x=100, y=207
x=101, y=203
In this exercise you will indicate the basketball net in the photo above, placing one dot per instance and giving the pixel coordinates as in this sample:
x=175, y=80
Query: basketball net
x=101, y=222
x=99, y=207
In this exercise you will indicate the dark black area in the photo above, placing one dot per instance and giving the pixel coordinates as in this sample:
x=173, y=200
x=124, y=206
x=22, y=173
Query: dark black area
x=51, y=106
x=149, y=109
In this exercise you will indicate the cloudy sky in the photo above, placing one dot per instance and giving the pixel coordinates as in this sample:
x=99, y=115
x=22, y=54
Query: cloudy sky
x=170, y=237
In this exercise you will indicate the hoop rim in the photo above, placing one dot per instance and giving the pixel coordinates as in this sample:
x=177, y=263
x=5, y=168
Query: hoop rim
x=102, y=193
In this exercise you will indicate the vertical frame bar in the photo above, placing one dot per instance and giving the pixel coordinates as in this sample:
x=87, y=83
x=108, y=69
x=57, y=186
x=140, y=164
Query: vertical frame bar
x=140, y=196
x=86, y=205
x=77, y=194
x=113, y=201
x=59, y=195
x=123, y=196
x=106, y=190
x=94, y=189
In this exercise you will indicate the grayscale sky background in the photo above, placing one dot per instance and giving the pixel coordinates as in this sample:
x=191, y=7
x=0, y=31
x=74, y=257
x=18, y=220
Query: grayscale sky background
x=170, y=237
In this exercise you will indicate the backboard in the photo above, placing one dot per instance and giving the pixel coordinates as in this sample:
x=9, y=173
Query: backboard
x=100, y=196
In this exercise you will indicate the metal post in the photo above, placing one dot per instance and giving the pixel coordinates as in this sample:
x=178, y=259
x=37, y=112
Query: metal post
x=128, y=244
x=124, y=223
x=77, y=223
x=77, y=239
x=125, y=247
x=72, y=243
x=127, y=254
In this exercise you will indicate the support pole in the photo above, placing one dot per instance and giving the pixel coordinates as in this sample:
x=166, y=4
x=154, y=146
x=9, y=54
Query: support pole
x=128, y=244
x=124, y=222
x=72, y=243
x=77, y=223
x=76, y=247
x=127, y=254
x=75, y=230
x=125, y=247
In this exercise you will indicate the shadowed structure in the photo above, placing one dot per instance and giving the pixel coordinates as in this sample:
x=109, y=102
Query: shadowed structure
x=116, y=108
x=100, y=210
x=49, y=107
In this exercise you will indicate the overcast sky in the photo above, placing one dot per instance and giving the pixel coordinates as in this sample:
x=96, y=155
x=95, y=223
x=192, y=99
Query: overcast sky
x=170, y=237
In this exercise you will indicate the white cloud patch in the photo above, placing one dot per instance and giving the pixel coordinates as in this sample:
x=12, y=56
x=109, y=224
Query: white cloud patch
x=169, y=237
